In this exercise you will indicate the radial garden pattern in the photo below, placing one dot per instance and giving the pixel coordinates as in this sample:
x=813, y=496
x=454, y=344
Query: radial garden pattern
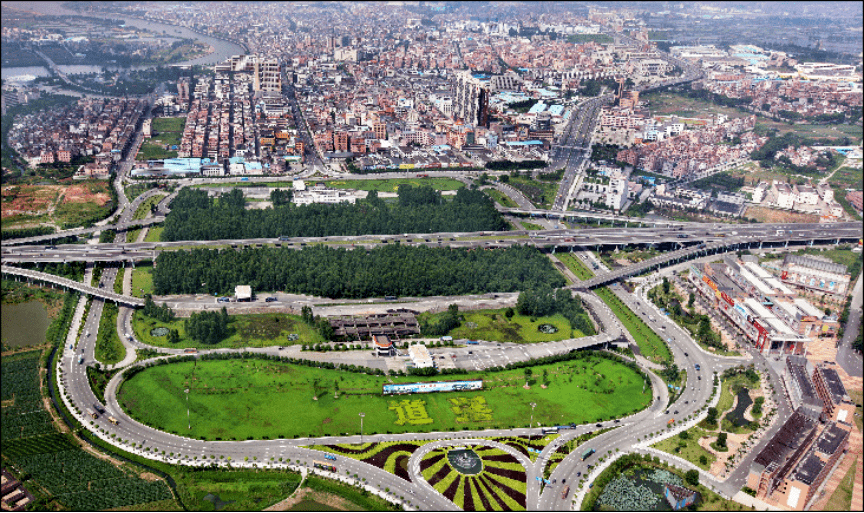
x=499, y=486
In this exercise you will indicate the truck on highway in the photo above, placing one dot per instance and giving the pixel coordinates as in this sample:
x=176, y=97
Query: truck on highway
x=190, y=350
x=549, y=430
x=92, y=413
x=670, y=422
x=472, y=342
x=98, y=407
x=565, y=492
x=112, y=420
x=81, y=359
x=330, y=457
x=587, y=454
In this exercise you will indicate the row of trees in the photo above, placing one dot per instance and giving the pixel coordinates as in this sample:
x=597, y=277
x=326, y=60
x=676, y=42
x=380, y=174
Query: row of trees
x=334, y=272
x=194, y=216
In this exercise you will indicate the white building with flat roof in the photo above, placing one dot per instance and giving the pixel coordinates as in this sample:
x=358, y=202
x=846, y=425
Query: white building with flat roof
x=420, y=356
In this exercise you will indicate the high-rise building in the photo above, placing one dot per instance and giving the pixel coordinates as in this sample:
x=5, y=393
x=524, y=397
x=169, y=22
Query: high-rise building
x=471, y=100
x=266, y=71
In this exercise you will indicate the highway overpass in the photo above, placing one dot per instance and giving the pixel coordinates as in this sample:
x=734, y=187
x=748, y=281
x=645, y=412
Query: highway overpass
x=71, y=284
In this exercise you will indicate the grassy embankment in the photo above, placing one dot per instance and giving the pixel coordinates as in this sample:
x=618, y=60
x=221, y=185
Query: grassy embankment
x=240, y=399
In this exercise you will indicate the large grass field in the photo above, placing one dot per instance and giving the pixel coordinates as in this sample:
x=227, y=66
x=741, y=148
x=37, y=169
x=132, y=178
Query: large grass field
x=391, y=185
x=261, y=330
x=650, y=344
x=493, y=326
x=240, y=399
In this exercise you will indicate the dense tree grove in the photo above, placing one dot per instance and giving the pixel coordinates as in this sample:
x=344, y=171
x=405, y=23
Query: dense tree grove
x=207, y=327
x=151, y=309
x=449, y=321
x=194, y=216
x=334, y=272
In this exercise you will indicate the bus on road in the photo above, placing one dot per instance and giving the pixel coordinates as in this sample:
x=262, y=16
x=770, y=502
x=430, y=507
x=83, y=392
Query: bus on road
x=324, y=466
x=587, y=454
x=548, y=430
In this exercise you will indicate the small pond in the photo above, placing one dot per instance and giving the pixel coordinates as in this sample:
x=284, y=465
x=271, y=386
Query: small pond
x=24, y=324
x=159, y=332
x=736, y=416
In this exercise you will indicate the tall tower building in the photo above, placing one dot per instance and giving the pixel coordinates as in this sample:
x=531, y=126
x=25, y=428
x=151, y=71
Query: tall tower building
x=471, y=100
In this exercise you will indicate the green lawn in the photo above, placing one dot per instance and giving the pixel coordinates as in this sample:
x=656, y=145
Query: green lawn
x=847, y=177
x=144, y=208
x=109, y=349
x=650, y=344
x=154, y=234
x=169, y=124
x=540, y=193
x=531, y=226
x=243, y=490
x=501, y=198
x=142, y=279
x=261, y=330
x=391, y=185
x=154, y=151
x=689, y=448
x=841, y=499
x=575, y=265
x=257, y=398
x=493, y=326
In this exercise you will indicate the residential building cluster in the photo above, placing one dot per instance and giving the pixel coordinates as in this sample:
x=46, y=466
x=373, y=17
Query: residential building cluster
x=697, y=153
x=687, y=198
x=803, y=198
x=807, y=98
x=766, y=310
x=100, y=128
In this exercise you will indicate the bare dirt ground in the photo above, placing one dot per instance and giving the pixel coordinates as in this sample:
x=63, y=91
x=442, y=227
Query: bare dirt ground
x=86, y=193
x=29, y=199
x=771, y=215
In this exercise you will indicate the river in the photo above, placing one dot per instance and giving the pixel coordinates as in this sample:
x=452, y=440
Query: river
x=24, y=324
x=222, y=49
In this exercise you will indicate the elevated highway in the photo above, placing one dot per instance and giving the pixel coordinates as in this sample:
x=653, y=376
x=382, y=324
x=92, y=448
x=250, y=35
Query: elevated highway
x=71, y=284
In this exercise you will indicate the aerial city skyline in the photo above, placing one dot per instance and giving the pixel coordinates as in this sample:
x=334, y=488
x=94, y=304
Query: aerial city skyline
x=432, y=256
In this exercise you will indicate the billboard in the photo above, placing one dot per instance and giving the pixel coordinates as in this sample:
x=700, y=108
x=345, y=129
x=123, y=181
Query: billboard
x=435, y=386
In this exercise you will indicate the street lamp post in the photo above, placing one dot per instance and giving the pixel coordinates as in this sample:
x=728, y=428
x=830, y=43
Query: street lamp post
x=533, y=405
x=188, y=419
x=361, y=426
